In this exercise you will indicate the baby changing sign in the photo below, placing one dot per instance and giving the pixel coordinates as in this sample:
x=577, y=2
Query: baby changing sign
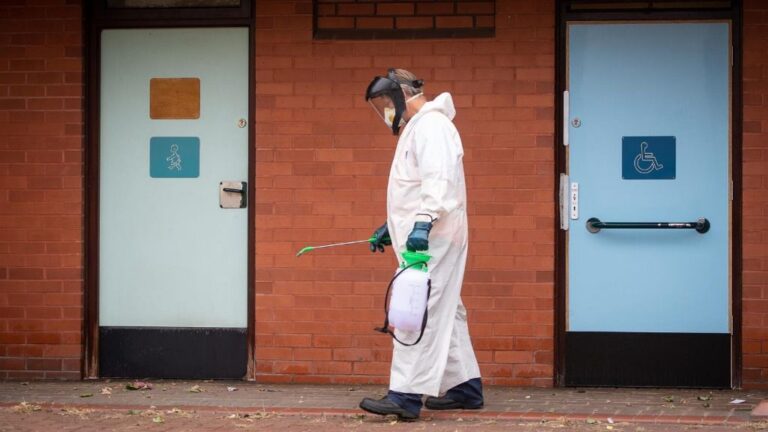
x=174, y=157
x=648, y=158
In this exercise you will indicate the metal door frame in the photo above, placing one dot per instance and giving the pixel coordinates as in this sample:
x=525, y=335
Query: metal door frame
x=624, y=10
x=97, y=17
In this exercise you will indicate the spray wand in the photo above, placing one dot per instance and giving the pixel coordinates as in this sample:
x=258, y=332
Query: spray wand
x=311, y=248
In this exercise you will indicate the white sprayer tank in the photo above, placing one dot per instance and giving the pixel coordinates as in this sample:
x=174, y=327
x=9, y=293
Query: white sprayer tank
x=409, y=300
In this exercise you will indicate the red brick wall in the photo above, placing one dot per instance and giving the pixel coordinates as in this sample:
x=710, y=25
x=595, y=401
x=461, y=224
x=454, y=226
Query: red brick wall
x=323, y=159
x=41, y=188
x=322, y=163
x=755, y=195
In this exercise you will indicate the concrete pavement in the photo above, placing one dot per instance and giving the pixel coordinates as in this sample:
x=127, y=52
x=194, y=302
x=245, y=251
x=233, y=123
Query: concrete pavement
x=589, y=406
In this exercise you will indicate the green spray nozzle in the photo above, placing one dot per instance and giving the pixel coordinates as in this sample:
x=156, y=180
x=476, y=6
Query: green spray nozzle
x=305, y=250
x=417, y=259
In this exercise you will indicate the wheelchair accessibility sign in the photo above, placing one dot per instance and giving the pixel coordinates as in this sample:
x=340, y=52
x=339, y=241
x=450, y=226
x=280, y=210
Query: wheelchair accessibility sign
x=648, y=158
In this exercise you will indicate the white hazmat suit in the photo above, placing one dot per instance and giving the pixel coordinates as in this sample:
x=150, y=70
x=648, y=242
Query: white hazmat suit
x=427, y=177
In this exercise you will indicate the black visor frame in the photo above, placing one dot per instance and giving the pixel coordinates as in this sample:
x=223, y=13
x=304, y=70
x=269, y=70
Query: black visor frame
x=389, y=86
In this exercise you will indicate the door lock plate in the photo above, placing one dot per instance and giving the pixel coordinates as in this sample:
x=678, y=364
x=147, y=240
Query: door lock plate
x=233, y=194
x=574, y=204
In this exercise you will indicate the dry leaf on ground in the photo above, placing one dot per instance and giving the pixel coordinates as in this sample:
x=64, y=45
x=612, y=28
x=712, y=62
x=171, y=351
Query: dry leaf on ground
x=138, y=385
x=82, y=413
x=26, y=407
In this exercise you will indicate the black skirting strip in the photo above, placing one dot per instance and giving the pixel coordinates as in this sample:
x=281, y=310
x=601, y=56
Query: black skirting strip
x=168, y=352
x=600, y=359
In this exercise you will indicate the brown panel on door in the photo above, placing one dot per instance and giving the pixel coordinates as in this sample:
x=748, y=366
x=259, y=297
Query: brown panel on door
x=174, y=98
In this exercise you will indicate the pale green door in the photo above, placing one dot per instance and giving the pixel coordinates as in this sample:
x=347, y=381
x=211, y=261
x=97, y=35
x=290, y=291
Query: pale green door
x=172, y=261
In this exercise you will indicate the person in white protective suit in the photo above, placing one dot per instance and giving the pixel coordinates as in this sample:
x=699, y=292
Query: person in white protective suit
x=426, y=211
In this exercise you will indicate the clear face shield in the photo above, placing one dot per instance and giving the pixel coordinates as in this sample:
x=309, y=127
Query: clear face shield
x=386, y=96
x=385, y=108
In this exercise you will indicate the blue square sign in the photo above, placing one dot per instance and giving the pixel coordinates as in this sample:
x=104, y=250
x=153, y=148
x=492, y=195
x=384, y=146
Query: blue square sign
x=174, y=157
x=648, y=158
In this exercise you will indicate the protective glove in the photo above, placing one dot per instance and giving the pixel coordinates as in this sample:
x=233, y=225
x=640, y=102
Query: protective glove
x=418, y=239
x=380, y=238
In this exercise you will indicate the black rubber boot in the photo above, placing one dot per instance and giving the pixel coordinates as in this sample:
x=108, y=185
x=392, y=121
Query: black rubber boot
x=467, y=395
x=445, y=403
x=385, y=406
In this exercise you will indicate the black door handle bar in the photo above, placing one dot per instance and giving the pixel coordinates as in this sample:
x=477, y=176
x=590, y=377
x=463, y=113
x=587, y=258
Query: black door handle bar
x=594, y=225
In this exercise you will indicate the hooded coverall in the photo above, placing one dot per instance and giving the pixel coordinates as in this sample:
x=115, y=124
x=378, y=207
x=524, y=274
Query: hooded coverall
x=427, y=178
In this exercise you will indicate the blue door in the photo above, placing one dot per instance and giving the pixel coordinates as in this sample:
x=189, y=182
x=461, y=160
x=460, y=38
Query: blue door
x=648, y=261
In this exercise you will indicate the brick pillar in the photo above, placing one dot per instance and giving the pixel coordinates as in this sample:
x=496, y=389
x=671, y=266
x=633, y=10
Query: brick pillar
x=41, y=189
x=755, y=195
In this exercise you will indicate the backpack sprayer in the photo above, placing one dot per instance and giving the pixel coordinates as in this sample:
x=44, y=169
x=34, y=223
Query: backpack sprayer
x=411, y=286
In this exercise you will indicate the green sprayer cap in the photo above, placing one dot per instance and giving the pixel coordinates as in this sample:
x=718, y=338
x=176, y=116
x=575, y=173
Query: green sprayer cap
x=416, y=257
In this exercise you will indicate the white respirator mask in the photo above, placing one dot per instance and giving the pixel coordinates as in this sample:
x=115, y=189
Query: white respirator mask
x=389, y=113
x=389, y=117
